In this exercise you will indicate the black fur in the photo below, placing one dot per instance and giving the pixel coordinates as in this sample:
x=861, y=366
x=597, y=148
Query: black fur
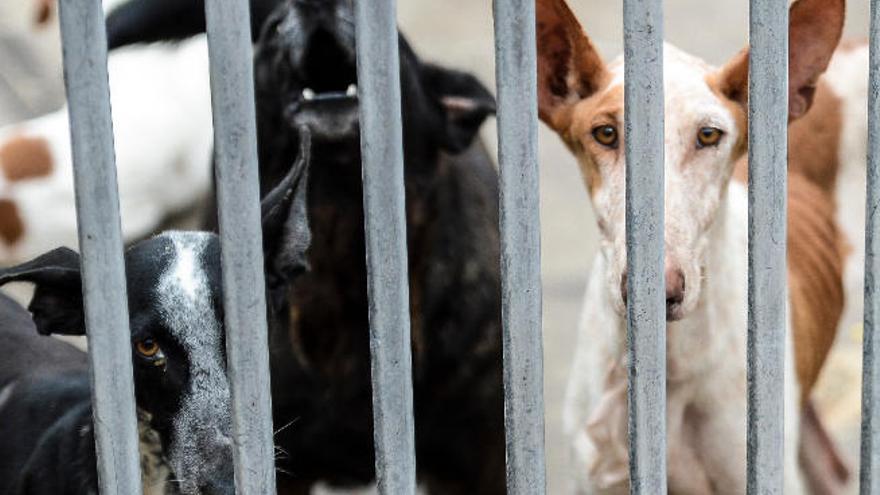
x=48, y=444
x=146, y=21
x=451, y=190
x=51, y=386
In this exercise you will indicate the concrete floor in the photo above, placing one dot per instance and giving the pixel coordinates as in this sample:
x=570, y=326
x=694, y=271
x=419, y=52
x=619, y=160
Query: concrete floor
x=458, y=33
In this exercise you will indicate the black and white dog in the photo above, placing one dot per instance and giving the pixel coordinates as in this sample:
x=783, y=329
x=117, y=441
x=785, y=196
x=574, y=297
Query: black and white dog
x=178, y=347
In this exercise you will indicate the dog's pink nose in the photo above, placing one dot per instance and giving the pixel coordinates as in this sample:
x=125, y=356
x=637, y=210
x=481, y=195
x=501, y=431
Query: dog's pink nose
x=674, y=292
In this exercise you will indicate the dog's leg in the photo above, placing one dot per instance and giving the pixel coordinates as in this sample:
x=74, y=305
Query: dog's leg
x=794, y=477
x=824, y=467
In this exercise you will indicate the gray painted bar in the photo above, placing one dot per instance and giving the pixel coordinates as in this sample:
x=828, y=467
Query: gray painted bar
x=768, y=152
x=646, y=293
x=870, y=452
x=385, y=224
x=516, y=68
x=238, y=195
x=100, y=240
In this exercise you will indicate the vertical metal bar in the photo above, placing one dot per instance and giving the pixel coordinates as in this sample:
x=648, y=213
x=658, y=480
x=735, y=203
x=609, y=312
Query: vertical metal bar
x=100, y=239
x=516, y=69
x=768, y=158
x=646, y=293
x=235, y=154
x=870, y=452
x=385, y=224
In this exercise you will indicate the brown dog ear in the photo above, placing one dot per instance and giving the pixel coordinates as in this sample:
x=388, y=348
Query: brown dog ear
x=733, y=79
x=815, y=27
x=569, y=67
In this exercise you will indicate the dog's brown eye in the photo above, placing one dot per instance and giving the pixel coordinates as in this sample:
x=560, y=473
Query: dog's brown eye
x=147, y=348
x=606, y=135
x=709, y=136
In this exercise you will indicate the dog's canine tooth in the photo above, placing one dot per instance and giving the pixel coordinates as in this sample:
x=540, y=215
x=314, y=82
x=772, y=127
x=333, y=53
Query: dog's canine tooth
x=352, y=90
x=308, y=94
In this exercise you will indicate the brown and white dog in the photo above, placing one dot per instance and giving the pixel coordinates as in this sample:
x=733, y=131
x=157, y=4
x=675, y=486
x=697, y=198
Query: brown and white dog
x=582, y=98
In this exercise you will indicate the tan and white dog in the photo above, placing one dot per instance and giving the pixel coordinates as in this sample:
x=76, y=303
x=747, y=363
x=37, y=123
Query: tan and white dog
x=161, y=102
x=581, y=97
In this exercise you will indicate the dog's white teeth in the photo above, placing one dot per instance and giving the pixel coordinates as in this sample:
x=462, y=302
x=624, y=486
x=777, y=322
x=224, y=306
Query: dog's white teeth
x=308, y=94
x=352, y=90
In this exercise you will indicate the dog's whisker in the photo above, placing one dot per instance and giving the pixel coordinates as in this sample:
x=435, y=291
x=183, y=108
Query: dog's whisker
x=279, y=430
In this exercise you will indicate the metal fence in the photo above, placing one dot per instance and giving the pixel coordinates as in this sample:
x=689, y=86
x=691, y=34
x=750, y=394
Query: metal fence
x=870, y=452
x=85, y=58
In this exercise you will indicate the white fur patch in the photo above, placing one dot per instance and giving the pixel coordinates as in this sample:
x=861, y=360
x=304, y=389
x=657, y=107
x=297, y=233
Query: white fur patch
x=201, y=423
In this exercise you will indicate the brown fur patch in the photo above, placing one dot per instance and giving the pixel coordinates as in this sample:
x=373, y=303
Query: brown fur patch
x=11, y=226
x=816, y=249
x=25, y=157
x=816, y=253
x=723, y=85
x=600, y=109
x=45, y=9
x=815, y=275
x=732, y=80
x=813, y=142
x=815, y=27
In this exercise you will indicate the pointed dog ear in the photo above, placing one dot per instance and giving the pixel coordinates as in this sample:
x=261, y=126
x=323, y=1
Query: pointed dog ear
x=465, y=103
x=57, y=305
x=286, y=232
x=569, y=66
x=814, y=30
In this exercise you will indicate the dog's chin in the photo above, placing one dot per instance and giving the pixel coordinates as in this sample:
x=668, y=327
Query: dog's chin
x=331, y=121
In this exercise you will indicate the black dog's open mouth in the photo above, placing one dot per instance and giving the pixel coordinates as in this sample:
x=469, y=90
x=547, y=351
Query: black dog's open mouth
x=328, y=101
x=329, y=73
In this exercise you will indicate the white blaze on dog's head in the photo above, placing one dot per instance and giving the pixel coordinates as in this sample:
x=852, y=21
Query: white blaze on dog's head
x=582, y=99
x=186, y=304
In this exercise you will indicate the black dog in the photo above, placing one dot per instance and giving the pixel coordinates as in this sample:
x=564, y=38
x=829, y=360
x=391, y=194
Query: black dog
x=306, y=76
x=178, y=347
